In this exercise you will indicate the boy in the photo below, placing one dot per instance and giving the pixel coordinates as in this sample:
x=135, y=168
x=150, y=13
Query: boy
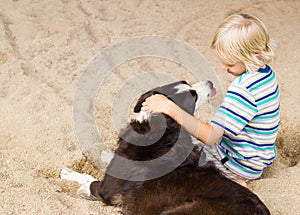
x=240, y=139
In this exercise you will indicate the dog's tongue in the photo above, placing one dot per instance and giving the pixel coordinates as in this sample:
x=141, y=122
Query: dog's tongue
x=213, y=92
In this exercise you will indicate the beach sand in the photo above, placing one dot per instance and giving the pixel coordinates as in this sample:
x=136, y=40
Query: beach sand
x=45, y=47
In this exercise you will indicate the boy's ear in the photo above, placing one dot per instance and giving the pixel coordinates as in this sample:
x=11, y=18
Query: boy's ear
x=257, y=56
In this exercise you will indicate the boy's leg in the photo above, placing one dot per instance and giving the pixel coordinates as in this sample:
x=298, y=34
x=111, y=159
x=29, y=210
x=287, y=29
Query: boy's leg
x=208, y=154
x=241, y=182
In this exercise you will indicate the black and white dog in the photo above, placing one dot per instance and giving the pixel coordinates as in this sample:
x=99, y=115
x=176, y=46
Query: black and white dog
x=174, y=184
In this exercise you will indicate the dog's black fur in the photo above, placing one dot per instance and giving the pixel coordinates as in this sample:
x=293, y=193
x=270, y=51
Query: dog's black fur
x=188, y=189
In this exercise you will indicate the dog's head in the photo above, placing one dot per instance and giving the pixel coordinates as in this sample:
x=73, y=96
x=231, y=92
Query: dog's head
x=186, y=96
x=158, y=135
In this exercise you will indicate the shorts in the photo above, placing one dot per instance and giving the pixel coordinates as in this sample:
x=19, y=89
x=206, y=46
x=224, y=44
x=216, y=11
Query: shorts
x=208, y=154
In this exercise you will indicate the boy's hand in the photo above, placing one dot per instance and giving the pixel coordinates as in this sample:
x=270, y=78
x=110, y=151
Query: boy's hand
x=157, y=103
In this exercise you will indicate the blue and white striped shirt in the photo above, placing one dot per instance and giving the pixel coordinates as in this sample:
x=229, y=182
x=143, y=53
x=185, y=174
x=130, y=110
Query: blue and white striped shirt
x=249, y=116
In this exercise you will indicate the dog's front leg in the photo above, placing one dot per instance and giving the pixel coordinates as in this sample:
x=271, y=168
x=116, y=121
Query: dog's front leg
x=84, y=180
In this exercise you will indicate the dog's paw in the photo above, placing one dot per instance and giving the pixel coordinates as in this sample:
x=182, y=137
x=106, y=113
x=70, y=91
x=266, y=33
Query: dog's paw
x=71, y=175
x=85, y=192
x=66, y=173
x=106, y=156
x=84, y=180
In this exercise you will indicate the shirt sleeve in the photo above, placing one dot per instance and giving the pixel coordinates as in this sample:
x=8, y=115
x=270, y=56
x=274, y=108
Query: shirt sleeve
x=236, y=111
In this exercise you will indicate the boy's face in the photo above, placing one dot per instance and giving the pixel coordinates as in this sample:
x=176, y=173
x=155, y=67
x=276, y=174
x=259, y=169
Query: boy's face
x=235, y=69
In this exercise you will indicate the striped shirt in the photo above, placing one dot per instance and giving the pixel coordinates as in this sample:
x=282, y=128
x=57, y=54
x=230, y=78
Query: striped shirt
x=249, y=116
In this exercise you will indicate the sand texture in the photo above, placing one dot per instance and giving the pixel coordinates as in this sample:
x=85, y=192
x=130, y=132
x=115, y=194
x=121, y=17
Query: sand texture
x=45, y=47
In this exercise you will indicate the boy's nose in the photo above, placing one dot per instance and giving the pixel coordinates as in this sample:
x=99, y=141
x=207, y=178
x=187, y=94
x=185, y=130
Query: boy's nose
x=224, y=66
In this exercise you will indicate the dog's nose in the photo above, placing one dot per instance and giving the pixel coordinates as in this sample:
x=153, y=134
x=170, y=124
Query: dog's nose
x=210, y=84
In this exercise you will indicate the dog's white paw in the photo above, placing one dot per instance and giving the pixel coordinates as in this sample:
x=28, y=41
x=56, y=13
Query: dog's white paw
x=66, y=173
x=71, y=175
x=106, y=156
x=85, y=192
x=84, y=180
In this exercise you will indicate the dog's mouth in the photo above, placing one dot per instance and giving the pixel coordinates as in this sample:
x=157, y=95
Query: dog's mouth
x=208, y=87
x=213, y=90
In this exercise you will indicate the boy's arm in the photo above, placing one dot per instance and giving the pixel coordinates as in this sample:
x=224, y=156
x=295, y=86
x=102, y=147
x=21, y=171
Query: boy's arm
x=206, y=133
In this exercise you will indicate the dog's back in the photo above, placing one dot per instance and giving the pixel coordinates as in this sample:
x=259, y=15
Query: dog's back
x=192, y=190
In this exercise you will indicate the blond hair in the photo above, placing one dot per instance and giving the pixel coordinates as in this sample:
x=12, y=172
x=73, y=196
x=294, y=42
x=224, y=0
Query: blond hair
x=243, y=38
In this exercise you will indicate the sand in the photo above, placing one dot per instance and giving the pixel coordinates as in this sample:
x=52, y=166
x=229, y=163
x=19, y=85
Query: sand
x=45, y=47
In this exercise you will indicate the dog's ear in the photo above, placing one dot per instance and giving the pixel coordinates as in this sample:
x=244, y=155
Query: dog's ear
x=185, y=100
x=139, y=104
x=166, y=90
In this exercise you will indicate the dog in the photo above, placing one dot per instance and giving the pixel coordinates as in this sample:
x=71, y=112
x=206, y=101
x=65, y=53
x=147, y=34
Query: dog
x=174, y=184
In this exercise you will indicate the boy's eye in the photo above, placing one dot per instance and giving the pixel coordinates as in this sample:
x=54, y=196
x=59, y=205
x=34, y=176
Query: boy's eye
x=229, y=64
